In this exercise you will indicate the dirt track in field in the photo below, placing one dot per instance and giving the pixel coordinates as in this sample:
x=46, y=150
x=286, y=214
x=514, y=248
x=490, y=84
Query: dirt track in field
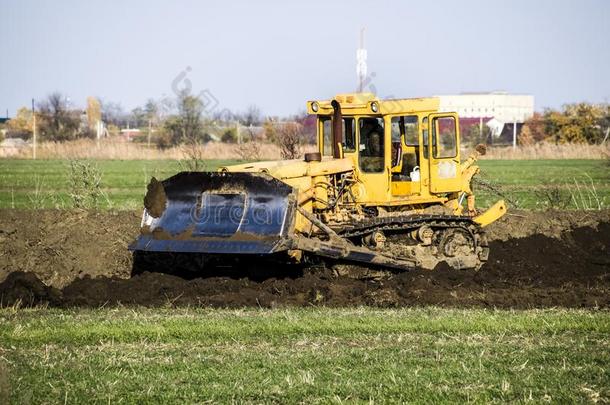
x=68, y=258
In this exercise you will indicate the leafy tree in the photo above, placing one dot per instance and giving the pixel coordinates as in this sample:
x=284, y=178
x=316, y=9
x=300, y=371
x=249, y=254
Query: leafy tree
x=20, y=126
x=533, y=130
x=186, y=126
x=577, y=123
x=270, y=130
x=94, y=111
x=190, y=110
x=229, y=136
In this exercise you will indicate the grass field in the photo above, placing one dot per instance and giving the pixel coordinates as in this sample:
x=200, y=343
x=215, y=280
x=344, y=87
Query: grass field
x=532, y=184
x=303, y=355
x=45, y=183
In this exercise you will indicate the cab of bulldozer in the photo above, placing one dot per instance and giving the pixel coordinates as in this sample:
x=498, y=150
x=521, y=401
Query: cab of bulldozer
x=403, y=150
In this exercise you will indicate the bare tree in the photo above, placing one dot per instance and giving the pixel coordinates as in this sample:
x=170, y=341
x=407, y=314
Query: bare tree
x=57, y=121
x=288, y=137
x=252, y=116
x=224, y=115
x=138, y=117
x=113, y=113
x=249, y=151
x=152, y=109
x=309, y=123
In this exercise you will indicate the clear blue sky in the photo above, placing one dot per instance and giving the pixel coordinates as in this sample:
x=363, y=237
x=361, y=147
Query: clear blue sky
x=278, y=54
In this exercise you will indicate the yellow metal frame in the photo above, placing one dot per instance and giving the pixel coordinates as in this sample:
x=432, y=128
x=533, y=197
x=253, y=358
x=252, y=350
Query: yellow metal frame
x=312, y=179
x=494, y=213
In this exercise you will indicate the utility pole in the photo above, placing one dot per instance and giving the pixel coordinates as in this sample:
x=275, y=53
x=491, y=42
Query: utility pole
x=33, y=130
x=515, y=135
x=149, y=131
x=361, y=68
x=606, y=137
x=98, y=131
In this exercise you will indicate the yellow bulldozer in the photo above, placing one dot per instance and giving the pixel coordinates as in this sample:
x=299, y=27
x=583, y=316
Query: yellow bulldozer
x=387, y=187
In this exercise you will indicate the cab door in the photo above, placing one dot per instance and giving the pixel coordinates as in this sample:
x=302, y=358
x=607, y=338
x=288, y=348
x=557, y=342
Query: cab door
x=405, y=155
x=444, y=154
x=373, y=160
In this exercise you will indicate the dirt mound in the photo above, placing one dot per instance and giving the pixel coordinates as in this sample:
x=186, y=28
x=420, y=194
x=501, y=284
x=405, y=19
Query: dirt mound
x=60, y=246
x=521, y=224
x=536, y=271
x=26, y=289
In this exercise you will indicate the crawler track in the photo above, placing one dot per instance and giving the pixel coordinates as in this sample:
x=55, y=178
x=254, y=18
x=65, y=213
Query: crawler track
x=455, y=240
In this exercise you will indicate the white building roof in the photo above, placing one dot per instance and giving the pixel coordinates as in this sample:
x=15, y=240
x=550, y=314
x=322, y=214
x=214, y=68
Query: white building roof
x=500, y=105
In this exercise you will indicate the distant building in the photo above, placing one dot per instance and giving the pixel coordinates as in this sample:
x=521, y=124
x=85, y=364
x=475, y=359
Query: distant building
x=129, y=133
x=503, y=113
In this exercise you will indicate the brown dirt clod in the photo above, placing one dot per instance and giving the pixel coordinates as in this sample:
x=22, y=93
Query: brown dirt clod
x=155, y=198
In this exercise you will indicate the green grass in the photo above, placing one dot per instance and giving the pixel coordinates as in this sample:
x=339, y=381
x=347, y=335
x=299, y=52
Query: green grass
x=304, y=355
x=528, y=182
x=44, y=183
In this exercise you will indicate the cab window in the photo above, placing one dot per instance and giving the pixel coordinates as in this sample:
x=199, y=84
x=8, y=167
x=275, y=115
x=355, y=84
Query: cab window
x=405, y=127
x=348, y=136
x=371, y=145
x=445, y=135
x=327, y=136
x=424, y=125
x=411, y=130
x=397, y=129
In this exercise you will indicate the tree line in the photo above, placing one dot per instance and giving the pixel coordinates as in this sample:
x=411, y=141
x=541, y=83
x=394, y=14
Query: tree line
x=168, y=122
x=574, y=123
x=164, y=122
x=581, y=123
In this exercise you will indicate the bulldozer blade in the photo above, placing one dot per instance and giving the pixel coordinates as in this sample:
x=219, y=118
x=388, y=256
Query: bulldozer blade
x=218, y=213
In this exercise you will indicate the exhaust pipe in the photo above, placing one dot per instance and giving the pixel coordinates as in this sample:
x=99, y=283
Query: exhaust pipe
x=337, y=128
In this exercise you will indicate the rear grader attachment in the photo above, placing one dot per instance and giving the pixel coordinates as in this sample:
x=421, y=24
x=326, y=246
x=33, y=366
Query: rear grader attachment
x=387, y=187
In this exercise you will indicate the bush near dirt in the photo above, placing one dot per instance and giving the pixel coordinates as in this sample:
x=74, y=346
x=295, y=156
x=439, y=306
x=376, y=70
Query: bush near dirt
x=540, y=259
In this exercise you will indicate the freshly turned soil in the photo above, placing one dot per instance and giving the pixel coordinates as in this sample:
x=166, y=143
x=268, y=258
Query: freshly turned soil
x=80, y=258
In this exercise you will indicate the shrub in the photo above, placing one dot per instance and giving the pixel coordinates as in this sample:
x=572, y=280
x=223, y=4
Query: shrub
x=85, y=184
x=229, y=136
x=288, y=138
x=249, y=150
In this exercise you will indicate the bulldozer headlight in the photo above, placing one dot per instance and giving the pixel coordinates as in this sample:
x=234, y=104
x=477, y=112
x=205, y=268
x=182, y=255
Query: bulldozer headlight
x=375, y=106
x=314, y=106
